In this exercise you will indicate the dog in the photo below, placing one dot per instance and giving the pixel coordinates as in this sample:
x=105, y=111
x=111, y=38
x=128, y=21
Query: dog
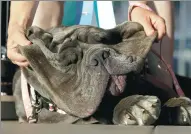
x=96, y=76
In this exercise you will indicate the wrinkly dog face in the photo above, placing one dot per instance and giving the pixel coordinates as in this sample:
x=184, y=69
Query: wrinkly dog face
x=74, y=66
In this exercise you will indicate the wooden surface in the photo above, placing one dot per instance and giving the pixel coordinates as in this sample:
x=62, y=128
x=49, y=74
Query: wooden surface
x=10, y=127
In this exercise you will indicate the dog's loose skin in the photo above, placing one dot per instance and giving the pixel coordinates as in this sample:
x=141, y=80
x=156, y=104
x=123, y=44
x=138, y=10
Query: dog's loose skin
x=86, y=71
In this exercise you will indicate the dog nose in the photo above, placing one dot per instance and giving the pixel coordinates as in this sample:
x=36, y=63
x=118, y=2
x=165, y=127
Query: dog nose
x=99, y=57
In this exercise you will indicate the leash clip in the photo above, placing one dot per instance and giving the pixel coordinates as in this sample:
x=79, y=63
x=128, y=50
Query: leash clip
x=37, y=105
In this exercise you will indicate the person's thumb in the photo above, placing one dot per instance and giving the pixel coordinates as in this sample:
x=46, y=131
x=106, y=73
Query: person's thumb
x=149, y=30
x=20, y=39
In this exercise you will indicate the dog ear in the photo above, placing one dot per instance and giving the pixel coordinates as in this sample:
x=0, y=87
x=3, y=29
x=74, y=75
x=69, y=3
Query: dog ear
x=42, y=61
x=134, y=40
x=41, y=65
x=34, y=32
x=127, y=29
x=42, y=39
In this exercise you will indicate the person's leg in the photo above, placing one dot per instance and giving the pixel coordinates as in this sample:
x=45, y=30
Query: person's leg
x=49, y=14
x=165, y=10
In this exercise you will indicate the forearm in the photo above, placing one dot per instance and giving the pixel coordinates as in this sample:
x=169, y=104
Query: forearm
x=133, y=4
x=20, y=13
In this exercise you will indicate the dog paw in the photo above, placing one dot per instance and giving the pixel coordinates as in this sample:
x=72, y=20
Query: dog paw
x=137, y=110
x=183, y=105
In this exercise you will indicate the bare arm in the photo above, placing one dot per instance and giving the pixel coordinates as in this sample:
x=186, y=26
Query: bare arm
x=20, y=13
x=20, y=17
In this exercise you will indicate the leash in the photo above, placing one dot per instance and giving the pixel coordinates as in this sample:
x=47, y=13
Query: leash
x=170, y=70
x=31, y=118
x=34, y=102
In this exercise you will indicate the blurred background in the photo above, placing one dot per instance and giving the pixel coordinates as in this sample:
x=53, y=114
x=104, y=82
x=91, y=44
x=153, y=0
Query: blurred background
x=85, y=13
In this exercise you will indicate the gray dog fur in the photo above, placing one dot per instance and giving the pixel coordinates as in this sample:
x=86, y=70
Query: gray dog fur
x=72, y=66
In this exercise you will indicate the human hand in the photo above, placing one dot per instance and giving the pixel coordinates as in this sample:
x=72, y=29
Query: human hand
x=150, y=21
x=16, y=36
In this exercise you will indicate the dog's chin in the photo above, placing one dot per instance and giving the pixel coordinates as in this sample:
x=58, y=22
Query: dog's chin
x=116, y=84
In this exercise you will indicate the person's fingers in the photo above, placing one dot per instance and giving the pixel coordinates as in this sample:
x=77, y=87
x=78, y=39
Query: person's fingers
x=21, y=64
x=160, y=26
x=14, y=56
x=150, y=21
x=149, y=30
